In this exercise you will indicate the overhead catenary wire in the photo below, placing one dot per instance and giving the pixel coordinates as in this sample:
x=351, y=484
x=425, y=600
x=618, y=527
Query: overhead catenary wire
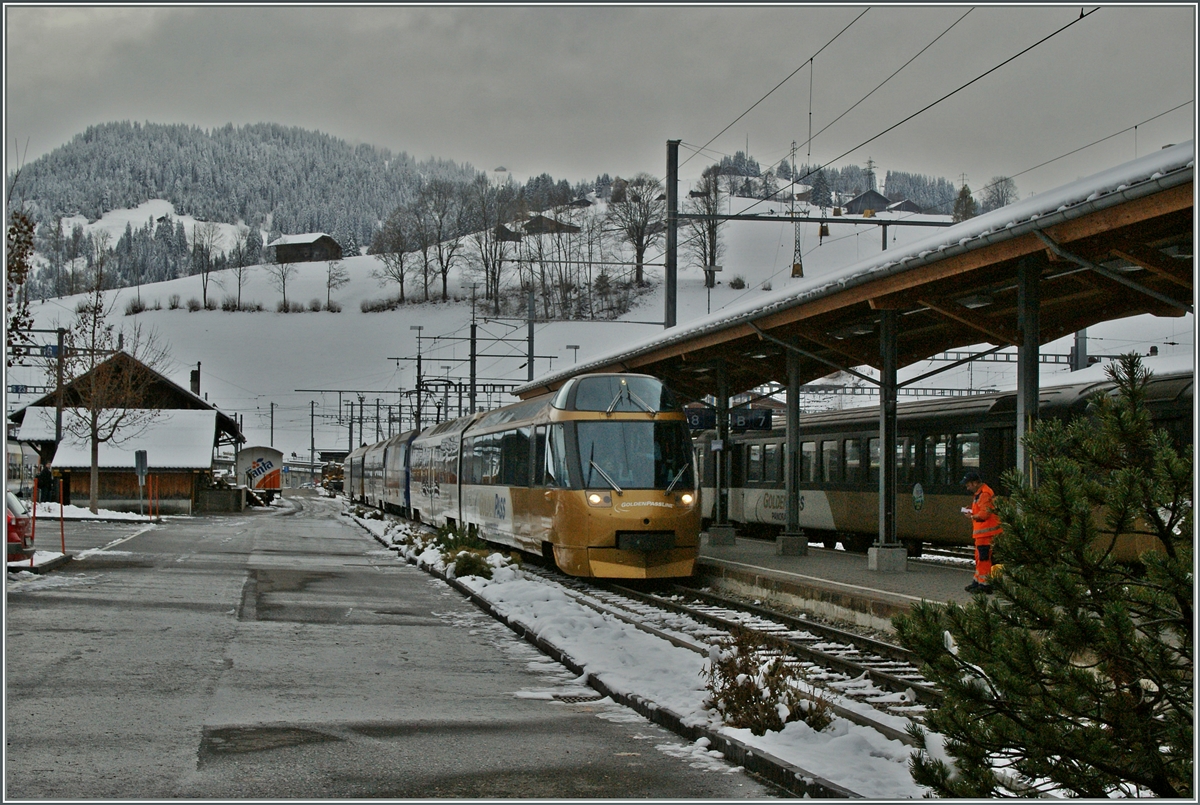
x=807, y=62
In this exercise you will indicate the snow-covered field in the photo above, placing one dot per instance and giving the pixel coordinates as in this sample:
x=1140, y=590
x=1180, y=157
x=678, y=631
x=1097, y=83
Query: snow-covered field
x=268, y=367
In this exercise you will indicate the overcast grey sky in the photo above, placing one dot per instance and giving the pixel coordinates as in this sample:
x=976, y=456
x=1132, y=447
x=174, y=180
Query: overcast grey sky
x=579, y=91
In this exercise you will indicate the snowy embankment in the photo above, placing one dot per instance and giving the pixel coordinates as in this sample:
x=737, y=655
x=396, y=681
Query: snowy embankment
x=634, y=666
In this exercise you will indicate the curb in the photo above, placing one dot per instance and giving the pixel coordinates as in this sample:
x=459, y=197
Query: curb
x=45, y=567
x=792, y=778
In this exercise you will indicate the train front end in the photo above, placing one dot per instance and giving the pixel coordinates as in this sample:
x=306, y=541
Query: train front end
x=627, y=501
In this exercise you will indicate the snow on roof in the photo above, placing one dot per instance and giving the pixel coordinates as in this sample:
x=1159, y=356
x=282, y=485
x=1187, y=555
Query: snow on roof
x=1154, y=172
x=175, y=439
x=308, y=237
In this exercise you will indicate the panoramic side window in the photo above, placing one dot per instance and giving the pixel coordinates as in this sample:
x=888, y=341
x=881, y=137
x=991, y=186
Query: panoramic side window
x=808, y=462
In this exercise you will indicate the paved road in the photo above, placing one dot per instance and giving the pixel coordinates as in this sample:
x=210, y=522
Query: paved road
x=284, y=653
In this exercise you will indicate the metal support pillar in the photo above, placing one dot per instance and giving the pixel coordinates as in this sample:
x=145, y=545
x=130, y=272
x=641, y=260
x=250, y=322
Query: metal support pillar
x=532, y=316
x=887, y=554
x=1079, y=357
x=672, y=274
x=721, y=533
x=793, y=541
x=884, y=228
x=474, y=347
x=1029, y=271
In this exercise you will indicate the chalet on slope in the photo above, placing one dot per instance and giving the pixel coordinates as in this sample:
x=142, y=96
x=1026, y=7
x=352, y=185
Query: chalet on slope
x=903, y=205
x=870, y=200
x=181, y=438
x=543, y=225
x=305, y=248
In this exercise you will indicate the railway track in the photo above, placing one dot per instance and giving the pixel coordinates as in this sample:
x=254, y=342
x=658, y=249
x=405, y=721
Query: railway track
x=868, y=681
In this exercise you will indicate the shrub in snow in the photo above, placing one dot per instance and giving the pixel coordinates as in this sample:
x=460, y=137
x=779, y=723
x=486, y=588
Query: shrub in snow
x=295, y=307
x=334, y=307
x=173, y=301
x=314, y=305
x=766, y=286
x=158, y=304
x=229, y=304
x=738, y=282
x=755, y=686
x=134, y=307
x=452, y=540
x=471, y=563
x=194, y=305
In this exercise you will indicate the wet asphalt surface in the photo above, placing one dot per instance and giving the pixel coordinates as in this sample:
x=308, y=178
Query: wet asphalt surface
x=285, y=654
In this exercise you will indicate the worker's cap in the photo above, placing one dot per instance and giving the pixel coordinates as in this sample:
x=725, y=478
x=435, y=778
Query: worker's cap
x=969, y=478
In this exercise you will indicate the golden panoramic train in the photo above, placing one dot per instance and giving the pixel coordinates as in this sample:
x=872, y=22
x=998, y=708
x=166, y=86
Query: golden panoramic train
x=599, y=476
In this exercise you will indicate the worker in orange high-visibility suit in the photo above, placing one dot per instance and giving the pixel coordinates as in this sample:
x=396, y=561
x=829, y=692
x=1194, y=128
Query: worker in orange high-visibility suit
x=986, y=525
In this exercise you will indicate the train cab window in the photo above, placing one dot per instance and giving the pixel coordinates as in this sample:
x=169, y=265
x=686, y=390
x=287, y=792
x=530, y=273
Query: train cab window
x=772, y=467
x=754, y=463
x=829, y=462
x=808, y=462
x=852, y=460
x=632, y=393
x=967, y=447
x=550, y=457
x=937, y=460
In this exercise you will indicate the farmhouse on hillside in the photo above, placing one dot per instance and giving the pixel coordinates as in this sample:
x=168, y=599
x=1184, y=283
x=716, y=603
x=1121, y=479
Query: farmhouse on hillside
x=870, y=200
x=542, y=225
x=180, y=434
x=305, y=248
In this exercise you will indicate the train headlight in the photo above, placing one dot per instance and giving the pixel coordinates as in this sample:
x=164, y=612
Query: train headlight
x=686, y=499
x=599, y=500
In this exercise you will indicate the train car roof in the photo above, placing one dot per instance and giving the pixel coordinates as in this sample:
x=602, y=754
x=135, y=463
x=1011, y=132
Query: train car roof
x=1165, y=386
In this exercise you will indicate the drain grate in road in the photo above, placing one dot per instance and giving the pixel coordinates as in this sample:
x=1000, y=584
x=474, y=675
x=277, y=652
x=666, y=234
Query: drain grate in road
x=588, y=697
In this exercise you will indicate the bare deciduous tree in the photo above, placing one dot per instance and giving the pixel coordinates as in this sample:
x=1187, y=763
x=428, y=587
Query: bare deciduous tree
x=206, y=240
x=999, y=192
x=393, y=245
x=639, y=217
x=336, y=276
x=704, y=234
x=280, y=273
x=109, y=375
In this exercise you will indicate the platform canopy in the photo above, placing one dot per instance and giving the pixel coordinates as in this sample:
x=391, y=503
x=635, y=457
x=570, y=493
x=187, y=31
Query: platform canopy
x=1112, y=245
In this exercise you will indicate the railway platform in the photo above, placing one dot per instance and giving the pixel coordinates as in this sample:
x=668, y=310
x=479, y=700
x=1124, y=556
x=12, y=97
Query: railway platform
x=832, y=584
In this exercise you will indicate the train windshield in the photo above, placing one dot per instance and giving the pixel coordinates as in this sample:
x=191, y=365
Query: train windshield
x=635, y=455
x=624, y=394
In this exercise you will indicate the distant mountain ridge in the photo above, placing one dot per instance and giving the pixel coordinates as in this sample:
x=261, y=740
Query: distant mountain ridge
x=283, y=179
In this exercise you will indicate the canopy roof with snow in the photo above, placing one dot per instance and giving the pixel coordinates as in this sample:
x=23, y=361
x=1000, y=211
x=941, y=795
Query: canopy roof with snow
x=1112, y=245
x=173, y=439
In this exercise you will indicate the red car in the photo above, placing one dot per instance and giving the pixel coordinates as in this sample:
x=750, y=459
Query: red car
x=20, y=528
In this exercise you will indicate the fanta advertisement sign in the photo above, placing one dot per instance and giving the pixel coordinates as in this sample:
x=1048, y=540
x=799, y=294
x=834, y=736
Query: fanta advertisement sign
x=263, y=474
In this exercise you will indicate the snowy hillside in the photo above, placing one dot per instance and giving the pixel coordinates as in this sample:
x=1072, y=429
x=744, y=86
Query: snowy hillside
x=250, y=360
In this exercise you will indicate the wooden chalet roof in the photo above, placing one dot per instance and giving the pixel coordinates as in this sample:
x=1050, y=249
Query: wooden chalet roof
x=1113, y=245
x=163, y=394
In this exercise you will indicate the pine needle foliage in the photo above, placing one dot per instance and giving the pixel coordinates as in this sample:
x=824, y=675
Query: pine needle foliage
x=1076, y=677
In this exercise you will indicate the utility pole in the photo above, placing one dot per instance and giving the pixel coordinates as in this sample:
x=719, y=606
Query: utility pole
x=672, y=267
x=417, y=413
x=361, y=416
x=532, y=316
x=473, y=348
x=59, y=390
x=312, y=436
x=272, y=442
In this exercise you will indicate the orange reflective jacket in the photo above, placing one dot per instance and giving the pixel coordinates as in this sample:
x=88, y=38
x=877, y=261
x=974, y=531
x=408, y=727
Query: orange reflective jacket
x=986, y=522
